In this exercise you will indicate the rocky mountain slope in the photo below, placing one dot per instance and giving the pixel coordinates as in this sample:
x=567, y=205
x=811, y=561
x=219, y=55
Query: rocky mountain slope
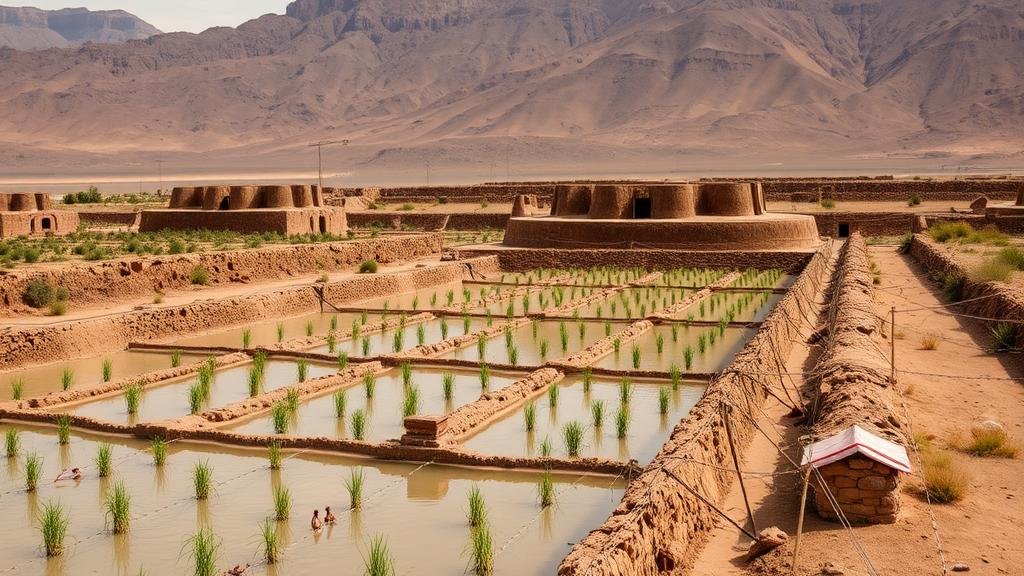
x=469, y=80
x=26, y=28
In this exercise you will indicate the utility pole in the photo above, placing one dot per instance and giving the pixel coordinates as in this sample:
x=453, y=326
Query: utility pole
x=320, y=157
x=160, y=171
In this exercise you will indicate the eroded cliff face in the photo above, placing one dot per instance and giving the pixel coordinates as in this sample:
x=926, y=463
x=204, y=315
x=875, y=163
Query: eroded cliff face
x=26, y=28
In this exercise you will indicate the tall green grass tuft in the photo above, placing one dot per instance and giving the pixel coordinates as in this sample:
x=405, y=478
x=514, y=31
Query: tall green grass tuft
x=282, y=503
x=63, y=429
x=481, y=545
x=1004, y=337
x=664, y=398
x=255, y=381
x=280, y=414
x=369, y=384
x=546, y=490
x=625, y=391
x=622, y=422
x=545, y=448
x=411, y=402
x=530, y=416
x=246, y=339
x=636, y=357
x=588, y=379
x=33, y=470
x=342, y=360
x=677, y=376
x=118, y=508
x=176, y=359
x=53, y=525
x=572, y=435
x=133, y=397
x=332, y=342
x=448, y=385
x=354, y=487
x=358, y=424
x=302, y=366
x=108, y=369
x=553, y=391
x=202, y=479
x=340, y=404
x=378, y=561
x=477, y=512
x=17, y=388
x=195, y=398
x=597, y=411
x=274, y=455
x=12, y=442
x=280, y=332
x=103, y=459
x=485, y=376
x=292, y=400
x=204, y=547
x=159, y=448
x=272, y=548
x=67, y=379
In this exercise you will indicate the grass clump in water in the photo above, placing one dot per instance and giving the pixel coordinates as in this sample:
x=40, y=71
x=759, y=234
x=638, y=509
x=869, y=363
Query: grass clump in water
x=553, y=391
x=274, y=456
x=118, y=508
x=572, y=435
x=545, y=448
x=546, y=490
x=481, y=545
x=202, y=479
x=448, y=385
x=636, y=357
x=12, y=442
x=378, y=561
x=63, y=429
x=108, y=369
x=622, y=422
x=354, y=487
x=17, y=389
x=67, y=379
x=203, y=551
x=272, y=548
x=159, y=447
x=133, y=397
x=103, y=459
x=664, y=398
x=358, y=424
x=411, y=402
x=282, y=503
x=33, y=470
x=597, y=411
x=292, y=400
x=625, y=391
x=280, y=415
x=53, y=525
x=530, y=417
x=342, y=360
x=485, y=376
x=195, y=398
x=477, y=512
x=369, y=384
x=302, y=366
x=340, y=404
x=176, y=359
x=246, y=339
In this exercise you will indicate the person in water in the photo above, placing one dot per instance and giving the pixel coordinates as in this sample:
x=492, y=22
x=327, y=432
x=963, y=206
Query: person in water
x=329, y=516
x=72, y=474
x=315, y=523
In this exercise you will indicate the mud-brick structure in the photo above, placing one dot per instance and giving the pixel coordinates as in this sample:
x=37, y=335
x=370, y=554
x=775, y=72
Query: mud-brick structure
x=33, y=215
x=1015, y=209
x=710, y=216
x=286, y=210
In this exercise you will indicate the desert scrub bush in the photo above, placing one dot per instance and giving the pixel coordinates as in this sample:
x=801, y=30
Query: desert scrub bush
x=992, y=270
x=203, y=552
x=963, y=232
x=199, y=276
x=159, y=448
x=63, y=422
x=1004, y=337
x=945, y=479
x=1012, y=256
x=572, y=436
x=103, y=459
x=988, y=443
x=202, y=479
x=12, y=442
x=914, y=200
x=378, y=561
x=828, y=203
x=133, y=397
x=929, y=342
x=354, y=486
x=53, y=526
x=368, y=267
x=906, y=241
x=117, y=507
x=39, y=294
x=58, y=308
x=953, y=286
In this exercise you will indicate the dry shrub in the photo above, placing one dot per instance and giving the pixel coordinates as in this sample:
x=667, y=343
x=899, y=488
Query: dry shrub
x=987, y=443
x=992, y=270
x=945, y=479
x=929, y=342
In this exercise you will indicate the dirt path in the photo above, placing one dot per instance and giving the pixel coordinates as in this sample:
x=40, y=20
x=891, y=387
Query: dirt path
x=983, y=530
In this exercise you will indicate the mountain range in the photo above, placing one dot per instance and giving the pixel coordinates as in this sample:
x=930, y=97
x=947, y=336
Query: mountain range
x=554, y=84
x=26, y=28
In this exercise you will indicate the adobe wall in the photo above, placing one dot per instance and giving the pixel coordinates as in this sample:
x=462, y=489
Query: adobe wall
x=889, y=190
x=286, y=222
x=107, y=218
x=428, y=221
x=514, y=260
x=25, y=202
x=659, y=526
x=230, y=198
x=38, y=223
x=855, y=388
x=985, y=300
x=504, y=193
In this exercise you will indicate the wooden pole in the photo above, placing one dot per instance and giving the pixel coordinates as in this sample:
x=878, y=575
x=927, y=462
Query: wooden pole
x=736, y=461
x=892, y=343
x=800, y=520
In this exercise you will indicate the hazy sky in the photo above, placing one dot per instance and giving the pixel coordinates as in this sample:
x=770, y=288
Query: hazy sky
x=174, y=15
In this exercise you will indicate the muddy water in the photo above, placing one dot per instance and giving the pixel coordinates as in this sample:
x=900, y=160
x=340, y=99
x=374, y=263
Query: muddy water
x=420, y=512
x=171, y=401
x=529, y=340
x=41, y=380
x=385, y=417
x=413, y=335
x=634, y=303
x=715, y=357
x=418, y=300
x=648, y=428
x=266, y=332
x=756, y=310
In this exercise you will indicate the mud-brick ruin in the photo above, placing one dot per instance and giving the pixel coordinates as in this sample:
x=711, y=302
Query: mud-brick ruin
x=286, y=210
x=708, y=217
x=33, y=215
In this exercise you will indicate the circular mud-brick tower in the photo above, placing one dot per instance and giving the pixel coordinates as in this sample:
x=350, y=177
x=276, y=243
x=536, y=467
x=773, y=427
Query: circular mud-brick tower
x=244, y=198
x=185, y=197
x=216, y=197
x=277, y=196
x=611, y=203
x=726, y=199
x=302, y=196
x=672, y=202
x=572, y=200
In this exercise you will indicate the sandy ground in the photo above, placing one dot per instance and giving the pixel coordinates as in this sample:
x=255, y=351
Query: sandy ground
x=981, y=531
x=175, y=298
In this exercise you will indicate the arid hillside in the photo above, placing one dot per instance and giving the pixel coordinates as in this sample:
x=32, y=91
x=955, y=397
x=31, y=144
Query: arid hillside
x=26, y=28
x=548, y=81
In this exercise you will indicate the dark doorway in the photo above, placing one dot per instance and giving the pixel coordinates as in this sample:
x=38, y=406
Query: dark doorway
x=642, y=208
x=225, y=203
x=844, y=230
x=323, y=224
x=47, y=224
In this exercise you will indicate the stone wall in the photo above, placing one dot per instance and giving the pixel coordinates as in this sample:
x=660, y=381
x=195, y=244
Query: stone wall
x=660, y=527
x=855, y=388
x=284, y=221
x=889, y=190
x=428, y=221
x=108, y=218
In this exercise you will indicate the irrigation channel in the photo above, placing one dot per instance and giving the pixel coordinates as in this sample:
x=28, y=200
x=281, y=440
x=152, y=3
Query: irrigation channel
x=559, y=383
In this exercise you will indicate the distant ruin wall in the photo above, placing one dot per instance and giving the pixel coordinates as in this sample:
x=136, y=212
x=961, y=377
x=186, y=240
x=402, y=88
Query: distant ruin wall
x=286, y=222
x=660, y=527
x=856, y=390
x=428, y=221
x=104, y=218
x=142, y=277
x=890, y=190
x=38, y=223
